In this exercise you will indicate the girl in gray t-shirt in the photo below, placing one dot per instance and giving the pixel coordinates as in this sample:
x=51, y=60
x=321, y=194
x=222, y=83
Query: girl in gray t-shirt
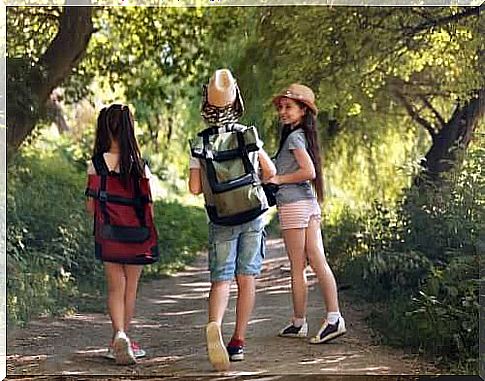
x=299, y=177
x=286, y=163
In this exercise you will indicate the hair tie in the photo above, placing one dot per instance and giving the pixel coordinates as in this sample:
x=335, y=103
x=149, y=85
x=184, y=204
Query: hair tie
x=126, y=115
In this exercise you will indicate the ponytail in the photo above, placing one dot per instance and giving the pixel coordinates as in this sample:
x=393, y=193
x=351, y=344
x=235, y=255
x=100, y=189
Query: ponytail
x=116, y=123
x=102, y=140
x=309, y=125
x=130, y=163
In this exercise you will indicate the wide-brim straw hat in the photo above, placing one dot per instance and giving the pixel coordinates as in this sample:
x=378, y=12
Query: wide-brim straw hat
x=300, y=93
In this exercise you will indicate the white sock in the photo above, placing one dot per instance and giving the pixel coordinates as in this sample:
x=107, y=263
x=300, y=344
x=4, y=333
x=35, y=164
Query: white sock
x=332, y=317
x=298, y=322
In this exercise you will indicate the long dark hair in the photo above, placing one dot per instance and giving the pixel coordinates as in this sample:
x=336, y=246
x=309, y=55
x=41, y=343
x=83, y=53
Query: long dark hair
x=115, y=123
x=309, y=126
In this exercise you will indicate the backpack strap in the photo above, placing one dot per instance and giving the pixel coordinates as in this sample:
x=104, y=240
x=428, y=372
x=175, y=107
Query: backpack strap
x=282, y=142
x=102, y=170
x=212, y=130
x=197, y=144
x=243, y=149
x=100, y=165
x=138, y=202
x=220, y=187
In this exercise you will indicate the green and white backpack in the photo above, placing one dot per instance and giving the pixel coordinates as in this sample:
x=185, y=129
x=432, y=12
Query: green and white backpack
x=230, y=173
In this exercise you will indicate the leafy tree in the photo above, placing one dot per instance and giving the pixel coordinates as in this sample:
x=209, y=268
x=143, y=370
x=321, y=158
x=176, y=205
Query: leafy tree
x=43, y=46
x=376, y=67
x=147, y=51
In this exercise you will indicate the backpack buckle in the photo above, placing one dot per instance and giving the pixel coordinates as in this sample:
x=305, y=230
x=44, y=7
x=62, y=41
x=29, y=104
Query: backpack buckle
x=103, y=196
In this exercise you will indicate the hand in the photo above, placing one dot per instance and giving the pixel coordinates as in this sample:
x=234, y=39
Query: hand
x=274, y=180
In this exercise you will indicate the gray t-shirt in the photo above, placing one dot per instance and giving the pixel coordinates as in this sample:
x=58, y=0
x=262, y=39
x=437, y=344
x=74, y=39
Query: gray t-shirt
x=286, y=163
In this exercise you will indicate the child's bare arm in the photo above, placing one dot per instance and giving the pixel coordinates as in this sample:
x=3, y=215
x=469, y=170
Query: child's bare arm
x=195, y=183
x=268, y=169
x=90, y=200
x=90, y=205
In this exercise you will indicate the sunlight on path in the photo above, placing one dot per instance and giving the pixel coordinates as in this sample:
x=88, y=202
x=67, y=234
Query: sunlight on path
x=170, y=320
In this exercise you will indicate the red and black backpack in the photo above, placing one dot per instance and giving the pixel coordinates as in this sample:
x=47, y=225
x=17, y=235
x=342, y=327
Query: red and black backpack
x=123, y=222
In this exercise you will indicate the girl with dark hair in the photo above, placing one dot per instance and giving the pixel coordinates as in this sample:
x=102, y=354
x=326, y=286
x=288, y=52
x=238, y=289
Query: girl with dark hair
x=299, y=176
x=116, y=145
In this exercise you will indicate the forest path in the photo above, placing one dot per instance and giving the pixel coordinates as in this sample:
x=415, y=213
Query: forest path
x=170, y=320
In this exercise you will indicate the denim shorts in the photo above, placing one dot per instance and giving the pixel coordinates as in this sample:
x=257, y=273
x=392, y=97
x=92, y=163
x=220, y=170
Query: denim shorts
x=236, y=250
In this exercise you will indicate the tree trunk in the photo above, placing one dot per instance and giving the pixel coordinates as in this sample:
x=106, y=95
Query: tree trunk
x=63, y=54
x=453, y=138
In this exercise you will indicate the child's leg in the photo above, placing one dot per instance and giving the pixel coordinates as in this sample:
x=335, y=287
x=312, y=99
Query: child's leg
x=251, y=249
x=319, y=264
x=246, y=285
x=222, y=253
x=218, y=299
x=222, y=257
x=132, y=275
x=115, y=278
x=295, y=247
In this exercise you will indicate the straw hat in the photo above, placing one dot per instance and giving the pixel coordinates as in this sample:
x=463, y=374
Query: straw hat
x=222, y=89
x=300, y=93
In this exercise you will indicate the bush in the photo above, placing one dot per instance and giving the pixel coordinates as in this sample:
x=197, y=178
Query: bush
x=420, y=258
x=49, y=241
x=182, y=233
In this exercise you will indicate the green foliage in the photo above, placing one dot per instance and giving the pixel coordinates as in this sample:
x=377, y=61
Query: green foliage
x=374, y=168
x=420, y=258
x=131, y=40
x=77, y=145
x=30, y=29
x=361, y=51
x=20, y=79
x=182, y=233
x=49, y=242
x=155, y=55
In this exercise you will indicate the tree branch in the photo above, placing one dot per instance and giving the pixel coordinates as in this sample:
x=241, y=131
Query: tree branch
x=469, y=12
x=433, y=110
x=415, y=115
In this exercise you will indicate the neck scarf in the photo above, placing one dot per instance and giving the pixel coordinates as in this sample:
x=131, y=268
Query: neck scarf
x=219, y=116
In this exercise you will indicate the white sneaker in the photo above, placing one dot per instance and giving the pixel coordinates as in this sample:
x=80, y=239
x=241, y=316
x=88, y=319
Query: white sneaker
x=216, y=350
x=135, y=347
x=291, y=331
x=122, y=349
x=329, y=331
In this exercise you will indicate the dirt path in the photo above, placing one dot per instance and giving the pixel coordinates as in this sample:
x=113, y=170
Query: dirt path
x=171, y=314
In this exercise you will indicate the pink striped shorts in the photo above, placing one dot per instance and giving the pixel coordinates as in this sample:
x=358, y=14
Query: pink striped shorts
x=298, y=214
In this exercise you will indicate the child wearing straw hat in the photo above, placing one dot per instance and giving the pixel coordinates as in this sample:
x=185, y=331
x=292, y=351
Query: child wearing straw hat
x=236, y=249
x=300, y=192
